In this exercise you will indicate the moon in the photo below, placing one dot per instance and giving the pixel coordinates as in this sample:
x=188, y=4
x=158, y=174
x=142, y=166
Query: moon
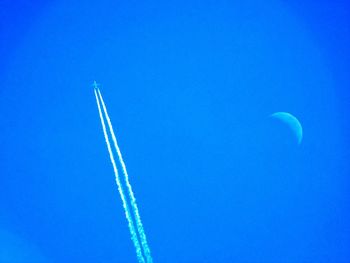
x=292, y=122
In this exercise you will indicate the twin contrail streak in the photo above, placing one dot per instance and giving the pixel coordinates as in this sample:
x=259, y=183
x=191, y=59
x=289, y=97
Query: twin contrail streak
x=139, y=225
x=134, y=209
x=120, y=189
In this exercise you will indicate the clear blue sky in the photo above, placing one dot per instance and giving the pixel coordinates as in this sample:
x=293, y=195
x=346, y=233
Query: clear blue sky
x=189, y=86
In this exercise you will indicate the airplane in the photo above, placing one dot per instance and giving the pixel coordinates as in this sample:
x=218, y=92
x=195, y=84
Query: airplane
x=95, y=84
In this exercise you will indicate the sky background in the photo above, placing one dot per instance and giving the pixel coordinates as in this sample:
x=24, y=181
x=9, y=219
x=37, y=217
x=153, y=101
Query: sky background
x=189, y=86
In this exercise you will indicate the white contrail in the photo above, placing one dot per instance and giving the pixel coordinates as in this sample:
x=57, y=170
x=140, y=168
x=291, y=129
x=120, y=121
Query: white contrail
x=139, y=225
x=120, y=189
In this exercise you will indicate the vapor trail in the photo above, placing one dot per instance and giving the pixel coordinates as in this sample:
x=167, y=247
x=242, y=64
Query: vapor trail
x=139, y=225
x=120, y=189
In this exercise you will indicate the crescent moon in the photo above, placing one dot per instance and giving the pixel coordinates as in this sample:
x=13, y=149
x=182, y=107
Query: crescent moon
x=293, y=123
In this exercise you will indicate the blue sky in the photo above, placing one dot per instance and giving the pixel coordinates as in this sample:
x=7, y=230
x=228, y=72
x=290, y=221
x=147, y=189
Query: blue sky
x=189, y=86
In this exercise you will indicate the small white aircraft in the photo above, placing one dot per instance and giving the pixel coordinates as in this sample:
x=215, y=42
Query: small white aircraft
x=95, y=84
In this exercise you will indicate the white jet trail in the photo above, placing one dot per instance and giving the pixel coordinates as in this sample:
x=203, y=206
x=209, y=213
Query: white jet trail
x=120, y=189
x=139, y=225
